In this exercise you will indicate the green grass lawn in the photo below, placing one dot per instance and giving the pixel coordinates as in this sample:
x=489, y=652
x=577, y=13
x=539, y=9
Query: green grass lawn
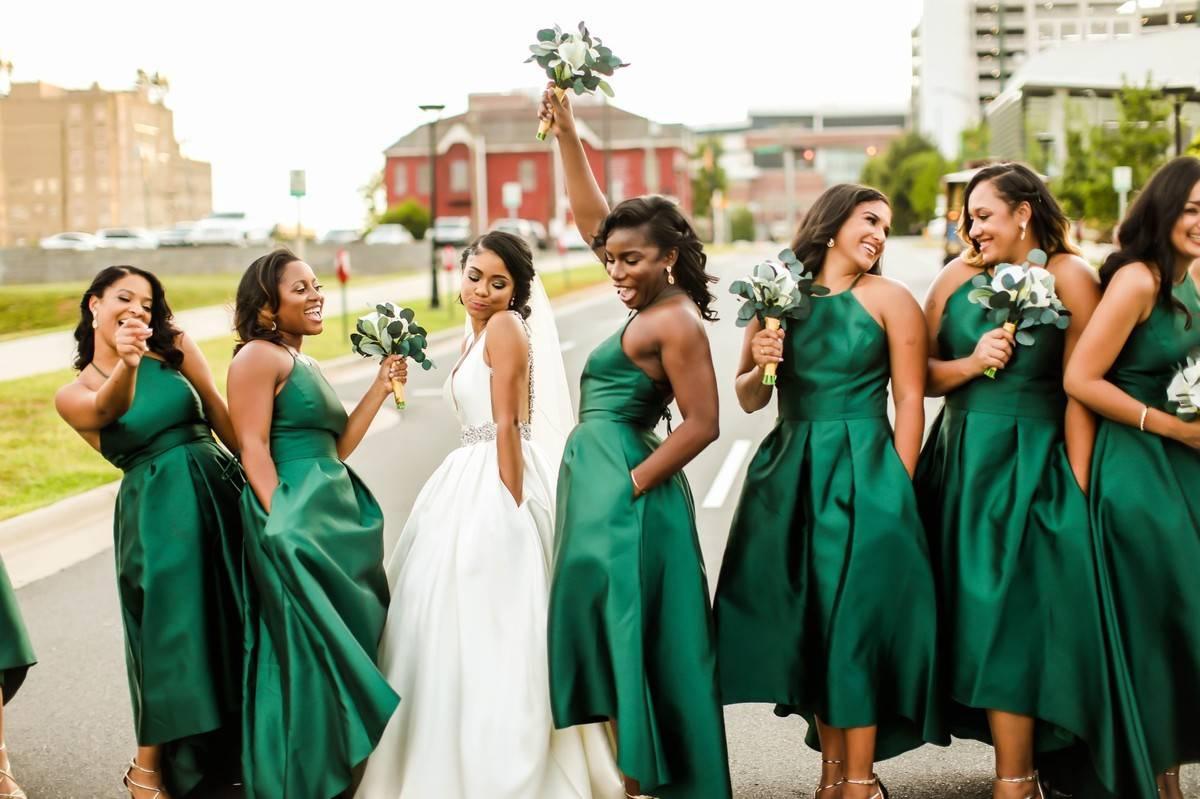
x=43, y=307
x=47, y=461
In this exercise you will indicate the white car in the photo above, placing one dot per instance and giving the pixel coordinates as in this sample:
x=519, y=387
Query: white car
x=452, y=230
x=341, y=237
x=216, y=233
x=175, y=236
x=68, y=241
x=571, y=239
x=125, y=238
x=389, y=234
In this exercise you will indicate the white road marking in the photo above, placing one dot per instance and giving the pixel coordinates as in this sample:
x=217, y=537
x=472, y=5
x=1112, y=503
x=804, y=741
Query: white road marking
x=723, y=482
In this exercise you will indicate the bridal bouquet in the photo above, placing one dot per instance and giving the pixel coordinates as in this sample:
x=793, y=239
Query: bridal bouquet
x=573, y=61
x=775, y=292
x=1020, y=297
x=1183, y=394
x=391, y=330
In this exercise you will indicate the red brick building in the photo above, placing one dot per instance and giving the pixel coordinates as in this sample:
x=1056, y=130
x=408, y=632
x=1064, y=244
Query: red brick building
x=493, y=143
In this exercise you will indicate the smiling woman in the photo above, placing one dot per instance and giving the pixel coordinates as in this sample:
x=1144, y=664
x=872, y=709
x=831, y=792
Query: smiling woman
x=313, y=545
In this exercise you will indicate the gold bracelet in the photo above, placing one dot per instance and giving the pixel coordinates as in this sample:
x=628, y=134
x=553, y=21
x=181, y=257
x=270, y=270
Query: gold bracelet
x=637, y=489
x=1142, y=423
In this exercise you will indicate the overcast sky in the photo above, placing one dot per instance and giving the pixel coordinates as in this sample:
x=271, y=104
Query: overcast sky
x=259, y=88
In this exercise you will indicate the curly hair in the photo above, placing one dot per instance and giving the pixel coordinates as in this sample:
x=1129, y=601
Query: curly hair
x=162, y=341
x=667, y=229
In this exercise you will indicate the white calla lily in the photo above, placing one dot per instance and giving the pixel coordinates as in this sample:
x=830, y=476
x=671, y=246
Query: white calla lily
x=574, y=52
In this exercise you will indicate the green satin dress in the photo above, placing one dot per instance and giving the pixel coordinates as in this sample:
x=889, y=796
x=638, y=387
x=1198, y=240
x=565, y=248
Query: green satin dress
x=1145, y=501
x=177, y=541
x=826, y=601
x=16, y=653
x=1019, y=601
x=630, y=631
x=316, y=704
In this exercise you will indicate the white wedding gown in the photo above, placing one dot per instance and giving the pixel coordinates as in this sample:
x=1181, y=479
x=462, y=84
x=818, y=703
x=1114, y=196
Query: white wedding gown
x=465, y=640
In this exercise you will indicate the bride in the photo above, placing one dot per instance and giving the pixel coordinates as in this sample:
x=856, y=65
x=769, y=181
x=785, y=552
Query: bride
x=465, y=640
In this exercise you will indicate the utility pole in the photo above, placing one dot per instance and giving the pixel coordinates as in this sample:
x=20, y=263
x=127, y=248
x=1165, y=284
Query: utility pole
x=434, y=302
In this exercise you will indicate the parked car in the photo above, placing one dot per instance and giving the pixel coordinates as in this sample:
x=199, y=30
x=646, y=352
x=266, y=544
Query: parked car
x=452, y=230
x=125, y=238
x=389, y=234
x=176, y=235
x=571, y=239
x=341, y=236
x=68, y=241
x=533, y=232
x=216, y=231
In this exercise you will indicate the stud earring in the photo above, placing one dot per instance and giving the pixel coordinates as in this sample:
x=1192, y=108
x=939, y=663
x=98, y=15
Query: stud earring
x=829, y=244
x=670, y=276
x=1022, y=233
x=95, y=324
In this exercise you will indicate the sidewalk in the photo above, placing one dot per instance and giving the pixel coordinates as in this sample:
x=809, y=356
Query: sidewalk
x=47, y=352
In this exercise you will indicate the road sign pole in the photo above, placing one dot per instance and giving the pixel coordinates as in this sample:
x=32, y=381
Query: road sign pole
x=298, y=190
x=1122, y=181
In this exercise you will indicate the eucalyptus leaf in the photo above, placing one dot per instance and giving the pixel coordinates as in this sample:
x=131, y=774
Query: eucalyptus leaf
x=604, y=87
x=1037, y=257
x=426, y=365
x=1049, y=316
x=1024, y=338
x=979, y=294
x=384, y=310
x=547, y=35
x=1062, y=322
x=980, y=281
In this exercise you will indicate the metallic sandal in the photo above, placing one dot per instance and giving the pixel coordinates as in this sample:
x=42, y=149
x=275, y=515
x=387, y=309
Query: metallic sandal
x=130, y=783
x=833, y=785
x=882, y=793
x=1032, y=778
x=6, y=773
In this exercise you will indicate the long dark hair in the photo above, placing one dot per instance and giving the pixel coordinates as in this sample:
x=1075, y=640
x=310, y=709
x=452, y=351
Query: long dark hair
x=518, y=260
x=1145, y=233
x=161, y=341
x=825, y=219
x=1017, y=183
x=257, y=291
x=667, y=229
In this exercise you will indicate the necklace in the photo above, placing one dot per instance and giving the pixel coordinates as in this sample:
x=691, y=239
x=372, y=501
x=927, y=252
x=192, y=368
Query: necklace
x=98, y=369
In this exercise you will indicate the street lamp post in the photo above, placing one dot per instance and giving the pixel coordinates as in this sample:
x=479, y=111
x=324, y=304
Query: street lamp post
x=433, y=254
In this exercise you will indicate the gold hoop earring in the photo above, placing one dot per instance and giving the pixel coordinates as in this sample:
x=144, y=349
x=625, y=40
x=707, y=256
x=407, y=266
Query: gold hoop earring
x=274, y=326
x=830, y=244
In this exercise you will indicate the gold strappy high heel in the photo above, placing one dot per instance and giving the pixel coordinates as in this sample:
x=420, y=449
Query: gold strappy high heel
x=832, y=785
x=882, y=793
x=1032, y=778
x=130, y=783
x=6, y=773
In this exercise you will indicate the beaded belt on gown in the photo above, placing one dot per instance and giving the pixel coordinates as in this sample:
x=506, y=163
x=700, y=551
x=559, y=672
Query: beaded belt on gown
x=477, y=434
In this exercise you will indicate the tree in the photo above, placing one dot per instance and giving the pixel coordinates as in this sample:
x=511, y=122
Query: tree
x=741, y=223
x=910, y=173
x=1194, y=147
x=368, y=193
x=708, y=179
x=1073, y=186
x=1139, y=139
x=409, y=213
x=974, y=144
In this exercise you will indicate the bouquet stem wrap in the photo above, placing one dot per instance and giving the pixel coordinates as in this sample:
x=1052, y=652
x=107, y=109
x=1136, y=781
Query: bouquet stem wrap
x=398, y=393
x=544, y=128
x=771, y=323
x=1011, y=327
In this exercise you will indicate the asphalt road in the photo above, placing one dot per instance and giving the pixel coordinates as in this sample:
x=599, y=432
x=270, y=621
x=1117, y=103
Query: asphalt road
x=70, y=730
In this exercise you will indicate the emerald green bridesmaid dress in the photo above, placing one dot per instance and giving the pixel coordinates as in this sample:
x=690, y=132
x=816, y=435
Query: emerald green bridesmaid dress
x=825, y=604
x=630, y=632
x=316, y=704
x=1145, y=502
x=177, y=541
x=1019, y=598
x=16, y=653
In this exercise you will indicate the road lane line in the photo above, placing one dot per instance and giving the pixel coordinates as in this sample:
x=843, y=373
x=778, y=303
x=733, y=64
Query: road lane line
x=719, y=491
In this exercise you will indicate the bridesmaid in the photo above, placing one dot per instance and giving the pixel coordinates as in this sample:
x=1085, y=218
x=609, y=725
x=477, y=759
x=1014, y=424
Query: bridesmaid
x=145, y=398
x=630, y=632
x=1146, y=467
x=999, y=483
x=16, y=656
x=803, y=617
x=316, y=703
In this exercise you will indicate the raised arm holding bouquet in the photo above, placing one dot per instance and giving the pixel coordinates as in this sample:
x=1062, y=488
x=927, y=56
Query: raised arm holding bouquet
x=775, y=292
x=391, y=330
x=1021, y=297
x=573, y=61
